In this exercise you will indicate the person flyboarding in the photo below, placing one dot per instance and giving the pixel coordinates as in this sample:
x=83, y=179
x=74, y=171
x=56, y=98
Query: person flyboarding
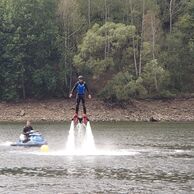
x=80, y=87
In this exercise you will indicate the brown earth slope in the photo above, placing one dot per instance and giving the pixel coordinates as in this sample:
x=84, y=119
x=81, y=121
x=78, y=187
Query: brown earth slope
x=138, y=110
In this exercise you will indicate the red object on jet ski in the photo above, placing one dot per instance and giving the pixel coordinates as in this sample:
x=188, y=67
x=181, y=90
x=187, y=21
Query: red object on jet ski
x=84, y=119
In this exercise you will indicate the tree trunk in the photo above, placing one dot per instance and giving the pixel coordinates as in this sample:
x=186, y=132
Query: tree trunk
x=156, y=82
x=134, y=49
x=23, y=84
x=153, y=34
x=106, y=11
x=142, y=37
x=105, y=20
x=89, y=12
x=170, y=14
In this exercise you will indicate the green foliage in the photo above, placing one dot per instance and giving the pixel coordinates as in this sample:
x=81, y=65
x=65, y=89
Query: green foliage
x=123, y=87
x=166, y=94
x=31, y=48
x=154, y=77
x=105, y=47
x=46, y=82
x=130, y=44
x=178, y=52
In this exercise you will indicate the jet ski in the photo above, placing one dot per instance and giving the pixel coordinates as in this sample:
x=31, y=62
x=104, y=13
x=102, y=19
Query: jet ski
x=82, y=120
x=35, y=139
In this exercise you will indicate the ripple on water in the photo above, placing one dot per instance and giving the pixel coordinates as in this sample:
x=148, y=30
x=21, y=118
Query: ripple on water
x=135, y=174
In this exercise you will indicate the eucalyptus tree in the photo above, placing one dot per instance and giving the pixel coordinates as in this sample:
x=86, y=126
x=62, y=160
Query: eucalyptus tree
x=91, y=49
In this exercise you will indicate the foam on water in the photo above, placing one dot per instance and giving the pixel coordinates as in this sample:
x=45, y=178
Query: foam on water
x=100, y=152
x=7, y=143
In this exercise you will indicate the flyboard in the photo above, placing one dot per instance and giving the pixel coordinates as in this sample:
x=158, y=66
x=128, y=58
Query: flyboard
x=80, y=120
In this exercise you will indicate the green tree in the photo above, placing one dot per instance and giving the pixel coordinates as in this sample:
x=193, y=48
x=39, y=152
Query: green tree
x=154, y=77
x=122, y=87
x=31, y=34
x=177, y=52
x=106, y=48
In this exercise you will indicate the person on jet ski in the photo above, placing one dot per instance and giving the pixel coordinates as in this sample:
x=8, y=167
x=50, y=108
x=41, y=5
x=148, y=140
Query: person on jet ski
x=80, y=87
x=27, y=130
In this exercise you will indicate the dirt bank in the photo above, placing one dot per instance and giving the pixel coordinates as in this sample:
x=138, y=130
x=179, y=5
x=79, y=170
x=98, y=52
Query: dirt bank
x=138, y=110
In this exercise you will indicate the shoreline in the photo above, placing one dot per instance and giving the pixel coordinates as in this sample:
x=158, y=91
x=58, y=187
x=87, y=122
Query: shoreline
x=60, y=110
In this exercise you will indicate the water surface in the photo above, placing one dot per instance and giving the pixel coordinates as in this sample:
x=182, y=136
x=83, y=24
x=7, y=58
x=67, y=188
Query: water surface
x=130, y=158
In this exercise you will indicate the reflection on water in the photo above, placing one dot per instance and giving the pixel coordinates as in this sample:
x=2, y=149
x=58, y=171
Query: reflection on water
x=129, y=158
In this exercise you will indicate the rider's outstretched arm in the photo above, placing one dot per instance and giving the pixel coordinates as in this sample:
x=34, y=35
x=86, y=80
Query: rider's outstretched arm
x=73, y=89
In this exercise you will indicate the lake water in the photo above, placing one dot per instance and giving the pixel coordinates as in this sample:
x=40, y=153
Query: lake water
x=130, y=158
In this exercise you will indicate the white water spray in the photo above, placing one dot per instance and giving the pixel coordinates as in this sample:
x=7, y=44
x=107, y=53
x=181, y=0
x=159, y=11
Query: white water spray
x=70, y=146
x=80, y=139
x=89, y=143
x=7, y=143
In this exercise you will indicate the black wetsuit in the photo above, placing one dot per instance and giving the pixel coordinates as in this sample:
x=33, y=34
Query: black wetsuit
x=27, y=130
x=80, y=96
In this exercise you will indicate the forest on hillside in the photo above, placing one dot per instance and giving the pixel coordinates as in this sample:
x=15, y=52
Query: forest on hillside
x=124, y=48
